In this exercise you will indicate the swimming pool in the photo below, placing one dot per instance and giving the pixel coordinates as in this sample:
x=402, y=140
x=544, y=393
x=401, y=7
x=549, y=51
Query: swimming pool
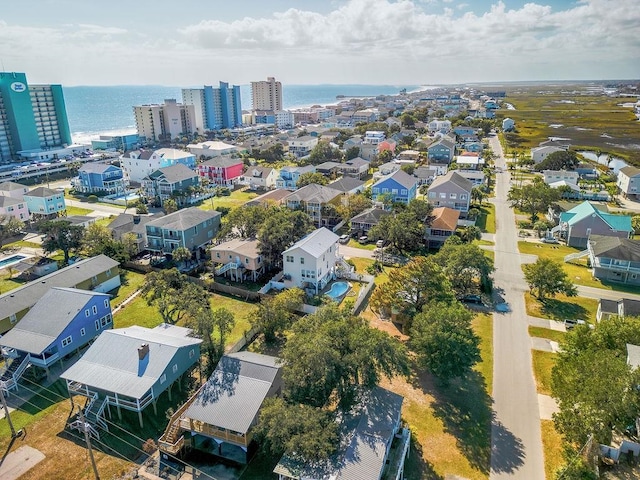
x=338, y=289
x=11, y=260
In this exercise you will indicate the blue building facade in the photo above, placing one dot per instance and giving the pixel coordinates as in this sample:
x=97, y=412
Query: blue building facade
x=400, y=186
x=223, y=107
x=116, y=142
x=44, y=201
x=100, y=177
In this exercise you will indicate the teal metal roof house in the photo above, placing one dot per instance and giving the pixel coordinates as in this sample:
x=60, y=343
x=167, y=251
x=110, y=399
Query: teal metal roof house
x=584, y=220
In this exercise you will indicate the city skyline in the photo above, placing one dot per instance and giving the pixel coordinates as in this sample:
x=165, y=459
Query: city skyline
x=307, y=42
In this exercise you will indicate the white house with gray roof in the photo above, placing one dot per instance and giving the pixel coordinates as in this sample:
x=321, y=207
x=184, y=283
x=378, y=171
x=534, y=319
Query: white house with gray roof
x=220, y=417
x=310, y=262
x=316, y=200
x=629, y=181
x=130, y=368
x=191, y=228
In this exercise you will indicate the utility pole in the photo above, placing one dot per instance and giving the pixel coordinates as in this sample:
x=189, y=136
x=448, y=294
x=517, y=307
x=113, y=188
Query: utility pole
x=14, y=434
x=87, y=438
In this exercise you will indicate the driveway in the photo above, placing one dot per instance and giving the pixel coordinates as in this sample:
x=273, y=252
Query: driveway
x=516, y=445
x=352, y=252
x=20, y=461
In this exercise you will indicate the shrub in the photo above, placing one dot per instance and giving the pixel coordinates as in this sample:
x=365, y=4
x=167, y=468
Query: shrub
x=526, y=224
x=92, y=198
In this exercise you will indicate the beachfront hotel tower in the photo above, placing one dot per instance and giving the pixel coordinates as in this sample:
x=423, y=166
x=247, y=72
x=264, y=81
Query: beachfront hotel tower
x=33, y=118
x=215, y=108
x=164, y=122
x=266, y=95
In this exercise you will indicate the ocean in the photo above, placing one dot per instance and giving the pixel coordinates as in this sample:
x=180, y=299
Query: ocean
x=93, y=110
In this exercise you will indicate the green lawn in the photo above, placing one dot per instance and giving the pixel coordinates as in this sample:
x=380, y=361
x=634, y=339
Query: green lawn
x=578, y=272
x=131, y=281
x=367, y=246
x=20, y=244
x=554, y=335
x=78, y=210
x=487, y=219
x=542, y=364
x=561, y=307
x=483, y=327
x=236, y=199
x=552, y=446
x=7, y=284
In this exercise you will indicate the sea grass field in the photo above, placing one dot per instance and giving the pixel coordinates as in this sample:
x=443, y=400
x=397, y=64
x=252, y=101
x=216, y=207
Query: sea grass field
x=591, y=121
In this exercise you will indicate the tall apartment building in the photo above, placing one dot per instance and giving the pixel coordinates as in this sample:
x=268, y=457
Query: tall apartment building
x=267, y=95
x=215, y=108
x=32, y=117
x=164, y=122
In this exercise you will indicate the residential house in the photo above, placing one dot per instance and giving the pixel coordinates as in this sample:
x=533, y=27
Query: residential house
x=368, y=115
x=373, y=444
x=77, y=220
x=633, y=356
x=368, y=151
x=374, y=137
x=354, y=141
x=393, y=121
x=239, y=259
x=584, y=220
x=263, y=178
x=43, y=202
x=318, y=201
x=624, y=307
x=387, y=145
x=365, y=221
x=440, y=168
x=552, y=176
x=177, y=181
x=562, y=143
x=587, y=171
x=95, y=177
x=409, y=156
x=442, y=151
x=508, y=124
x=615, y=259
x=348, y=185
x=400, y=186
x=629, y=181
x=13, y=207
x=220, y=418
x=288, y=177
x=538, y=154
x=190, y=228
x=128, y=223
x=221, y=171
x=444, y=224
x=13, y=190
x=425, y=175
x=129, y=368
x=387, y=169
x=356, y=167
x=212, y=149
x=138, y=164
x=302, y=146
x=439, y=126
x=98, y=274
x=328, y=169
x=273, y=197
x=310, y=262
x=451, y=190
x=476, y=177
x=469, y=161
x=34, y=267
x=60, y=323
x=465, y=130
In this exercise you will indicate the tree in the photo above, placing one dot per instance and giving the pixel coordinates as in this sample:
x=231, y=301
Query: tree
x=333, y=355
x=141, y=208
x=173, y=294
x=352, y=152
x=97, y=240
x=208, y=324
x=411, y=287
x=311, y=177
x=635, y=224
x=170, y=206
x=10, y=226
x=385, y=156
x=444, y=341
x=307, y=434
x=61, y=235
x=407, y=120
x=280, y=229
x=404, y=227
x=408, y=168
x=470, y=233
x=542, y=225
x=245, y=220
x=323, y=152
x=563, y=160
x=181, y=254
x=477, y=195
x=595, y=389
x=356, y=204
x=466, y=267
x=548, y=278
x=276, y=314
x=533, y=198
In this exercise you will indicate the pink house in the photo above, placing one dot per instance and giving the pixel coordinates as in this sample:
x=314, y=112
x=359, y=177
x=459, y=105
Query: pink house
x=10, y=206
x=221, y=171
x=387, y=145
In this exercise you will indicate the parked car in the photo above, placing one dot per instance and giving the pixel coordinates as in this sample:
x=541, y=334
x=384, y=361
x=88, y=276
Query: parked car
x=380, y=243
x=569, y=323
x=549, y=240
x=477, y=299
x=344, y=239
x=363, y=239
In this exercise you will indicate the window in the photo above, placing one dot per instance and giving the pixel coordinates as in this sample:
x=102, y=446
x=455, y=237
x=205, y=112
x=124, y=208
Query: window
x=404, y=191
x=83, y=332
x=432, y=194
x=301, y=260
x=289, y=258
x=443, y=195
x=13, y=318
x=191, y=353
x=97, y=324
x=175, y=368
x=163, y=378
x=66, y=341
x=94, y=309
x=86, y=312
x=376, y=190
x=106, y=303
x=217, y=254
x=453, y=196
x=463, y=196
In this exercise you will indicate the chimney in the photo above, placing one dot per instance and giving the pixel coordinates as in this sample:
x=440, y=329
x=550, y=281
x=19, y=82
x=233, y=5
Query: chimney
x=143, y=351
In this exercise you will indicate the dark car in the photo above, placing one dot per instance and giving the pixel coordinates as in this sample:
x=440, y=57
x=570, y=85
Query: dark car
x=476, y=299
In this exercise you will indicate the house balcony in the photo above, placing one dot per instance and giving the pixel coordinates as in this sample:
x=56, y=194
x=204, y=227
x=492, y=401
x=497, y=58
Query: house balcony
x=615, y=265
x=212, y=431
x=45, y=359
x=396, y=456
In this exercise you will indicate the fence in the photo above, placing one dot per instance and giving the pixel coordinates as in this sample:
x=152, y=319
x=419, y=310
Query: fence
x=365, y=291
x=244, y=341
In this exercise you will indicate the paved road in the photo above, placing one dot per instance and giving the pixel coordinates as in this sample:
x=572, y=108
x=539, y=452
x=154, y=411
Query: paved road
x=516, y=443
x=592, y=292
x=352, y=252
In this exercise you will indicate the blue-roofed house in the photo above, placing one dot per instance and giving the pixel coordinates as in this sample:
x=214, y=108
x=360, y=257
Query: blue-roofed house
x=99, y=177
x=373, y=446
x=288, y=178
x=130, y=368
x=62, y=322
x=399, y=185
x=219, y=418
x=579, y=223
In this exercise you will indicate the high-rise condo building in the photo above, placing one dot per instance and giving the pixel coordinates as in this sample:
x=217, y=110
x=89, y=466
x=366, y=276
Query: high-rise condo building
x=267, y=95
x=164, y=122
x=32, y=117
x=215, y=108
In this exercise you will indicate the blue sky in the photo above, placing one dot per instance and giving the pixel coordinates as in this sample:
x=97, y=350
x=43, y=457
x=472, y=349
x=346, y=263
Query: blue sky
x=193, y=42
